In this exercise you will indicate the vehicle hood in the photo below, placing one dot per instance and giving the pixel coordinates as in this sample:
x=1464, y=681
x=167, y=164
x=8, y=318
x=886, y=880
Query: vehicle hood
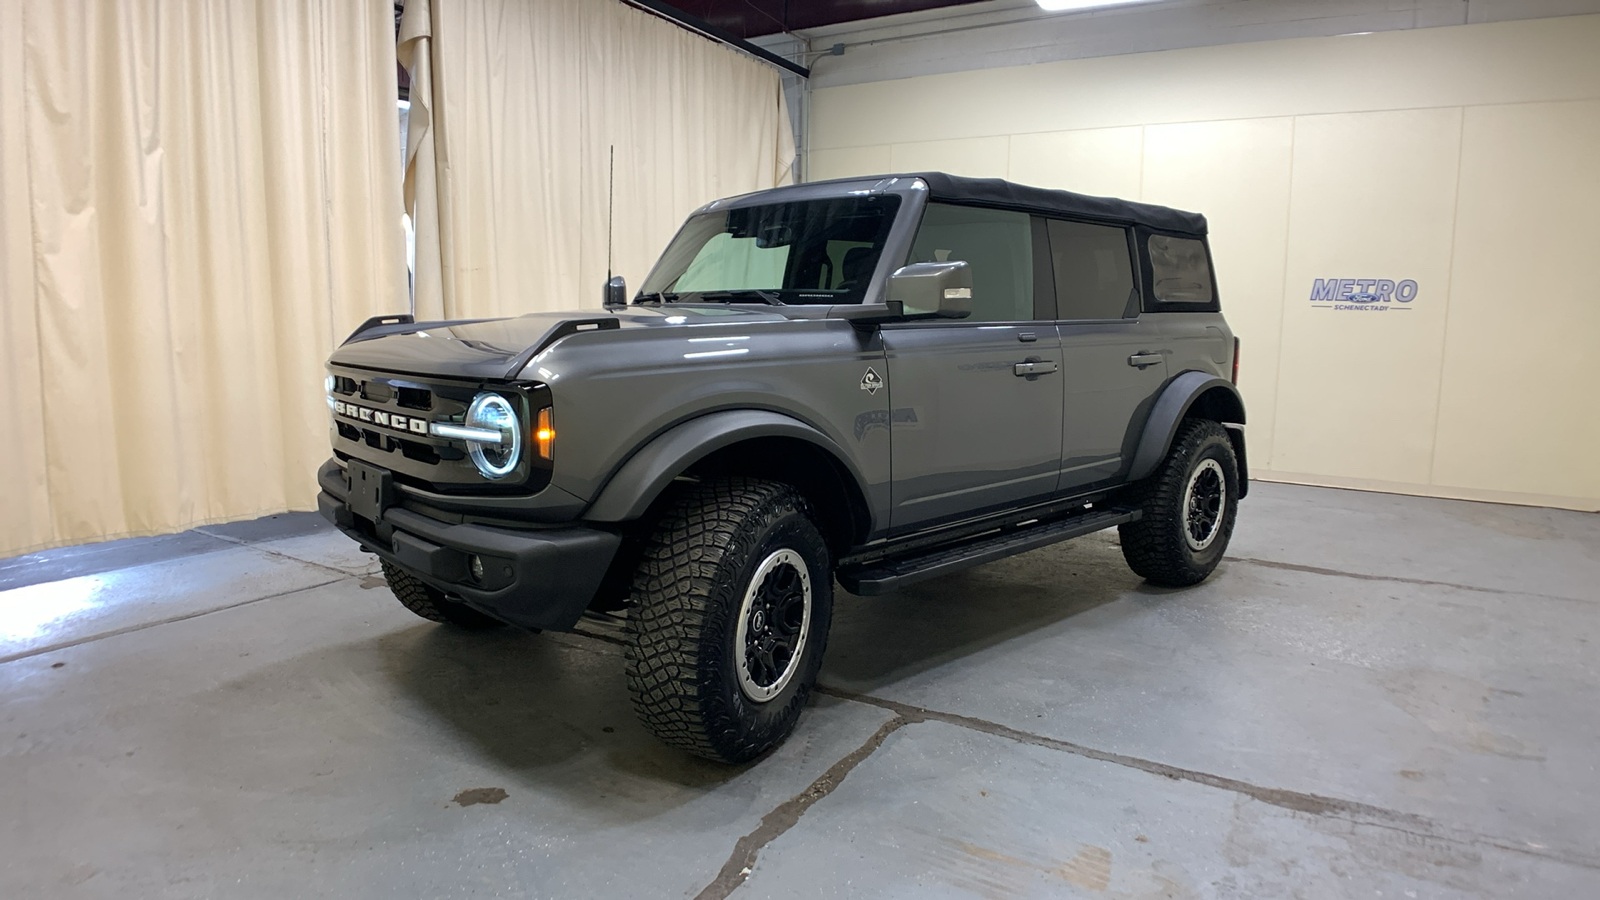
x=497, y=349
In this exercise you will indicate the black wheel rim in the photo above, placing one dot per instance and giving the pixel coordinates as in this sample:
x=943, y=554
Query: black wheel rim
x=1204, y=500
x=773, y=624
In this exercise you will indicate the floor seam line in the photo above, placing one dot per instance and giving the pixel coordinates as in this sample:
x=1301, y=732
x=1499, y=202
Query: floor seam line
x=1398, y=579
x=274, y=553
x=130, y=629
x=606, y=638
x=1351, y=811
x=787, y=814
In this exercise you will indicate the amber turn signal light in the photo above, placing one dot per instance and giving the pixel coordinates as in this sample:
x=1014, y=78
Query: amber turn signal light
x=544, y=434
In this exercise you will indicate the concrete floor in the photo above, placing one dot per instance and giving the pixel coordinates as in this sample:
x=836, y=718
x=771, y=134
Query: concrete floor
x=1376, y=696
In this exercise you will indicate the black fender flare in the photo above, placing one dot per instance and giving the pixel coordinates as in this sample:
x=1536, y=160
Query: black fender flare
x=1174, y=402
x=627, y=495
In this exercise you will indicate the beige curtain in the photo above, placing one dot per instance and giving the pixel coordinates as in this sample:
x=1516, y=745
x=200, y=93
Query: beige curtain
x=197, y=201
x=516, y=105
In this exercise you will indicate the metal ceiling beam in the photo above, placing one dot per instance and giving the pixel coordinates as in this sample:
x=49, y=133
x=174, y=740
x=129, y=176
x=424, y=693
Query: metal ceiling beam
x=697, y=24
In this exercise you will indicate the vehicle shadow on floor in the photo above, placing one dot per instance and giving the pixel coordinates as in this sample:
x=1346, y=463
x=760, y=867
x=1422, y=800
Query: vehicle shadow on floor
x=876, y=641
x=552, y=709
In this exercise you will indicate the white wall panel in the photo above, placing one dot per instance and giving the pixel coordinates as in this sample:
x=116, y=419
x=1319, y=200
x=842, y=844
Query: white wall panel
x=825, y=164
x=1237, y=173
x=980, y=157
x=1373, y=197
x=1518, y=410
x=1102, y=161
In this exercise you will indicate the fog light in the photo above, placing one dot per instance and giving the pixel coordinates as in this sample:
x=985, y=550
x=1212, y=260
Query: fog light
x=477, y=568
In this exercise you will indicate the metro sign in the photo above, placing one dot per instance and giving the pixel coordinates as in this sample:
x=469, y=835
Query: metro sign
x=1363, y=294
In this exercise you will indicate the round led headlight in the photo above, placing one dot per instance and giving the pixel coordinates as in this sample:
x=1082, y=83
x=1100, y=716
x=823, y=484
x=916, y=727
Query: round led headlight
x=492, y=412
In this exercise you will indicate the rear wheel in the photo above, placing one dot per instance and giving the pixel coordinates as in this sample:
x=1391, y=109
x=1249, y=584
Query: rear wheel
x=430, y=603
x=732, y=602
x=1189, y=507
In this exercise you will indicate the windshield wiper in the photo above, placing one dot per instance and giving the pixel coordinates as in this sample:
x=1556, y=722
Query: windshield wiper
x=768, y=297
x=657, y=297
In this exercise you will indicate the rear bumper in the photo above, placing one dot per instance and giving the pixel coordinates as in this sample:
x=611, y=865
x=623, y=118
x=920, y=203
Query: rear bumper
x=541, y=578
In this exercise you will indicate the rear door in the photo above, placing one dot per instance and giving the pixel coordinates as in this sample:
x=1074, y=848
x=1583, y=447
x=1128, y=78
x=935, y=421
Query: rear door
x=976, y=403
x=1112, y=358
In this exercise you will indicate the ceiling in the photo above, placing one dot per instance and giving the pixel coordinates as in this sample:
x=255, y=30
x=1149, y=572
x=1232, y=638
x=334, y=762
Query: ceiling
x=754, y=18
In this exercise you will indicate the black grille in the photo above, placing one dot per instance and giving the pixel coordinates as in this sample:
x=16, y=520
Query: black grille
x=421, y=459
x=416, y=398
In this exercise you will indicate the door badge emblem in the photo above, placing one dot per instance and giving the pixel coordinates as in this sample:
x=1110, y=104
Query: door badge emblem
x=870, y=382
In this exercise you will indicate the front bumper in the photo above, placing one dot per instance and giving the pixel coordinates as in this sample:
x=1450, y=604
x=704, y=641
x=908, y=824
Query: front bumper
x=542, y=578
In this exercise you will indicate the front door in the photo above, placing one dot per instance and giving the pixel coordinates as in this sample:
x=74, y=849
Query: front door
x=976, y=403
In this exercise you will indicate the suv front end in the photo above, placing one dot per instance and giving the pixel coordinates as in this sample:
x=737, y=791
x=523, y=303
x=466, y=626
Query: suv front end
x=449, y=480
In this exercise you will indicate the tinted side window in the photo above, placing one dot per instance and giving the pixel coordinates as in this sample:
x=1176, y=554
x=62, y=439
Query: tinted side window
x=996, y=244
x=1093, y=269
x=1179, y=270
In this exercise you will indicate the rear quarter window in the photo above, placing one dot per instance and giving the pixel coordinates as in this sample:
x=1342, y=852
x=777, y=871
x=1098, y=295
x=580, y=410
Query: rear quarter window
x=1180, y=272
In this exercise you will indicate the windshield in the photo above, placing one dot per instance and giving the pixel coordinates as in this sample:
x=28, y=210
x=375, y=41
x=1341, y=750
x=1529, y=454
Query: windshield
x=808, y=251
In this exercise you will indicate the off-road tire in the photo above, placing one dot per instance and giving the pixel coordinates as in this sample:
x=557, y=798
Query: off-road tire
x=430, y=603
x=1156, y=546
x=682, y=656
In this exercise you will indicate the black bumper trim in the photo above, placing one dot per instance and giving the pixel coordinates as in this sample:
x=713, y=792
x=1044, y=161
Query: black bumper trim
x=536, y=579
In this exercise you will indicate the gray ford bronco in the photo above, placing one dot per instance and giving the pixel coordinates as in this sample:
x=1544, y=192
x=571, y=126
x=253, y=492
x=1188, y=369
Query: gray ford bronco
x=874, y=381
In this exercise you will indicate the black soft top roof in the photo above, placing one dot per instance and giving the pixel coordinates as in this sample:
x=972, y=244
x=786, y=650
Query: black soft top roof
x=1043, y=201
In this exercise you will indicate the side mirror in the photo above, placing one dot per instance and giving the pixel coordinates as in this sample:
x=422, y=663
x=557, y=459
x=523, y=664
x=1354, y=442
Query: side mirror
x=616, y=293
x=933, y=290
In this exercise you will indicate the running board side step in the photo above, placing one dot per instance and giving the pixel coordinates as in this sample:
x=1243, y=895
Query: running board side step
x=883, y=576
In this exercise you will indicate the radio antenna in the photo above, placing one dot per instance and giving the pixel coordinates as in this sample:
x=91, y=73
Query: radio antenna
x=611, y=192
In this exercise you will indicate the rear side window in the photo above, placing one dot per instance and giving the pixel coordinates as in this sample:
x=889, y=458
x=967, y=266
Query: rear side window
x=1093, y=271
x=998, y=246
x=1180, y=272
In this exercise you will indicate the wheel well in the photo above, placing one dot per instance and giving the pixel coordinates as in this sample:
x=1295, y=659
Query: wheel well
x=1217, y=404
x=1222, y=405
x=842, y=512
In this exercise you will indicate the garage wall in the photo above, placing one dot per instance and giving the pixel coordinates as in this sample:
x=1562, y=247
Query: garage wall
x=1459, y=158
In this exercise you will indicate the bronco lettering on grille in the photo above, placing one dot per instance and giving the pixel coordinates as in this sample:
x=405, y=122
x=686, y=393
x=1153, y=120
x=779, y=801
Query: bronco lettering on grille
x=408, y=424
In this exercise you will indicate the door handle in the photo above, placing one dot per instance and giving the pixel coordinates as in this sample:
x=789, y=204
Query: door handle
x=1144, y=358
x=1034, y=367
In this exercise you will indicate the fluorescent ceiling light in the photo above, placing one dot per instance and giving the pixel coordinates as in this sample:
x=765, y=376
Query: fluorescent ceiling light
x=1063, y=5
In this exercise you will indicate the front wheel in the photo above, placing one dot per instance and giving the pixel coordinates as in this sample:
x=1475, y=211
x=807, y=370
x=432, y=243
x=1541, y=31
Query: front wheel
x=732, y=602
x=1189, y=505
